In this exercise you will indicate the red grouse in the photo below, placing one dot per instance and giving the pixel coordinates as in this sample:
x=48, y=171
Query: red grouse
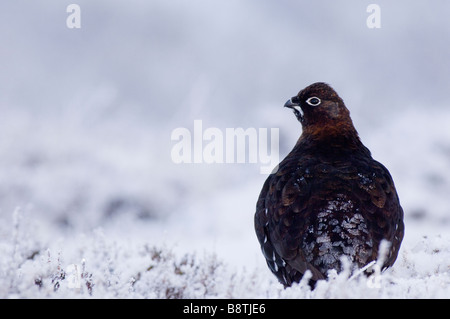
x=328, y=199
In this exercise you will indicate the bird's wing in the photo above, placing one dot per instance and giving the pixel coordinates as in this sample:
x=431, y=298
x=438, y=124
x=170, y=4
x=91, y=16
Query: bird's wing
x=279, y=225
x=382, y=210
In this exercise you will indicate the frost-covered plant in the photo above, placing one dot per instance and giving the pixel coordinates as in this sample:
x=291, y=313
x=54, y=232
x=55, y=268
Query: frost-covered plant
x=95, y=265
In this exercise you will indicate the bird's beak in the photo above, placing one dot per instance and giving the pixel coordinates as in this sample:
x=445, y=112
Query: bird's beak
x=295, y=106
x=291, y=104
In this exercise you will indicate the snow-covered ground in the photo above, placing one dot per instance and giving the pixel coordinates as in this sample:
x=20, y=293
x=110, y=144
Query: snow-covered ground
x=91, y=202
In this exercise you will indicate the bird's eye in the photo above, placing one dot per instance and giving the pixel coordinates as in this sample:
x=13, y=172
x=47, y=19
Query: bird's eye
x=313, y=101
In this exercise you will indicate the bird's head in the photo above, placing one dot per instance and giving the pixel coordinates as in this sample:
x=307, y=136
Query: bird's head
x=320, y=110
x=317, y=103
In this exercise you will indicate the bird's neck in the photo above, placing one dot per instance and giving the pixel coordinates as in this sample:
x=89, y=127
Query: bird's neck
x=332, y=139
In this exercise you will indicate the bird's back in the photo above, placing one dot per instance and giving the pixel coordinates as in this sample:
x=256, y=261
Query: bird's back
x=321, y=206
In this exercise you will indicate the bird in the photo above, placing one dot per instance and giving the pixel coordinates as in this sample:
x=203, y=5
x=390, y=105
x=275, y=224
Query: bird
x=328, y=199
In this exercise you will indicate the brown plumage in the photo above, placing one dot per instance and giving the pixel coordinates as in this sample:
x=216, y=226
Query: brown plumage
x=328, y=199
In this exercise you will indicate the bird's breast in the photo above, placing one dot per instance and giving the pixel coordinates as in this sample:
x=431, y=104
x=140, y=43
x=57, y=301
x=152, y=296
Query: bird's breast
x=336, y=228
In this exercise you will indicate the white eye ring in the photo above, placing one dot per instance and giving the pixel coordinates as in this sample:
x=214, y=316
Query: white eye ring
x=313, y=101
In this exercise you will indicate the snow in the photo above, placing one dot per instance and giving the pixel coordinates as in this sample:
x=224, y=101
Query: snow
x=91, y=204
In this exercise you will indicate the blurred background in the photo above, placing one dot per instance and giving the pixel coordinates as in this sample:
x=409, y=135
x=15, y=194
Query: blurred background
x=86, y=115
